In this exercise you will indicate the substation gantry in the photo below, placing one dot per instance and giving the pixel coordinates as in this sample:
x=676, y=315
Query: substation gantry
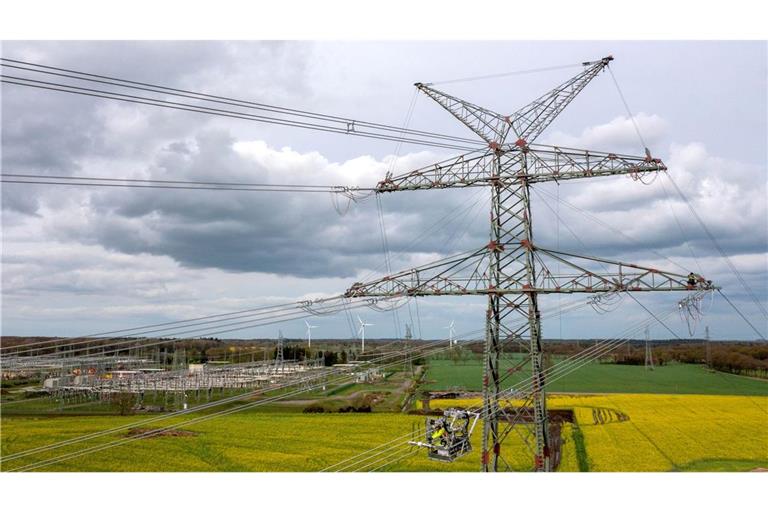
x=512, y=270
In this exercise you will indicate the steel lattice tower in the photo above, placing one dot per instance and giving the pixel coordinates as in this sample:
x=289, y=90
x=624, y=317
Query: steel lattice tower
x=648, y=351
x=511, y=270
x=279, y=357
x=708, y=347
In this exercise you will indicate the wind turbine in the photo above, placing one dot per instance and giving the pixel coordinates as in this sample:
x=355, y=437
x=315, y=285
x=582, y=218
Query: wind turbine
x=363, y=325
x=309, y=333
x=451, y=334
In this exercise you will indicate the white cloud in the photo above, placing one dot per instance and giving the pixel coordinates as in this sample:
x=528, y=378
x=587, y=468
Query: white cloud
x=616, y=135
x=728, y=195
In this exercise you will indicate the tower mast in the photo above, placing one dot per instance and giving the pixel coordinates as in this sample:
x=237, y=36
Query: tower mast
x=648, y=353
x=708, y=347
x=511, y=269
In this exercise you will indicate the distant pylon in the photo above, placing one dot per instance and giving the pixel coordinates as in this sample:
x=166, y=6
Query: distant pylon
x=708, y=347
x=648, y=352
x=408, y=338
x=279, y=358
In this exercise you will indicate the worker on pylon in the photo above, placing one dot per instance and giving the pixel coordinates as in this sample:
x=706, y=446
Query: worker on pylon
x=691, y=279
x=440, y=433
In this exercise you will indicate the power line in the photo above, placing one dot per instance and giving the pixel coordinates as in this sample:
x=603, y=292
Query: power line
x=165, y=187
x=94, y=181
x=603, y=265
x=212, y=404
x=261, y=316
x=61, y=458
x=719, y=248
x=759, y=335
x=560, y=370
x=127, y=331
x=444, y=220
x=571, y=360
x=185, y=182
x=333, y=124
x=67, y=456
x=654, y=316
x=593, y=218
x=380, y=209
x=150, y=341
x=141, y=100
x=16, y=455
x=680, y=227
x=502, y=75
x=629, y=112
x=171, y=91
x=160, y=327
x=700, y=221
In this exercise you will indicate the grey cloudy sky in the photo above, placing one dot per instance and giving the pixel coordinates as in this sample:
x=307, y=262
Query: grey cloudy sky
x=77, y=261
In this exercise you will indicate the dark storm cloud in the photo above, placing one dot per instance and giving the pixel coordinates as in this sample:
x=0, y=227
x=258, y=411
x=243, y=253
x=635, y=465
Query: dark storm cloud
x=54, y=133
x=284, y=233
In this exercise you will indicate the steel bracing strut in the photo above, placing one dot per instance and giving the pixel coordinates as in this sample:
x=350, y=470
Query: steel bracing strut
x=511, y=269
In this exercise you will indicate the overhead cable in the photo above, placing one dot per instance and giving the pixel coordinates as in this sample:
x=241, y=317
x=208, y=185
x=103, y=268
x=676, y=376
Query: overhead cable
x=722, y=252
x=171, y=91
x=94, y=181
x=502, y=75
x=291, y=117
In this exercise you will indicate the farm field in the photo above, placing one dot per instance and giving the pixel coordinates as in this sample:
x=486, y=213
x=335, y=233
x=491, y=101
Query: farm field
x=656, y=432
x=246, y=441
x=675, y=378
x=618, y=432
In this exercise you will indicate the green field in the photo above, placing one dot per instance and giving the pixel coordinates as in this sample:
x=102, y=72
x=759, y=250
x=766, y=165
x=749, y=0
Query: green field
x=443, y=374
x=247, y=441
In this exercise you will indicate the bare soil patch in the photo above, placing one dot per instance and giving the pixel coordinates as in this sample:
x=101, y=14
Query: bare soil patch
x=154, y=432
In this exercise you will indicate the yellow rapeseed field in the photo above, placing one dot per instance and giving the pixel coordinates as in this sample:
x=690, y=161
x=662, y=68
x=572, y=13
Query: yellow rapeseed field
x=652, y=432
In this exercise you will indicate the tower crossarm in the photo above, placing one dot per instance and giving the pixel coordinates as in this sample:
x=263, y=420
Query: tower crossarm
x=530, y=121
x=539, y=163
x=526, y=123
x=527, y=163
x=467, y=274
x=468, y=170
x=580, y=275
x=489, y=125
x=462, y=274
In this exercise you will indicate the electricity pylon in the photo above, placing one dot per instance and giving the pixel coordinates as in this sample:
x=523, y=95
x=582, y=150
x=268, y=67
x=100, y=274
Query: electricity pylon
x=708, y=347
x=279, y=356
x=511, y=270
x=648, y=352
x=408, y=338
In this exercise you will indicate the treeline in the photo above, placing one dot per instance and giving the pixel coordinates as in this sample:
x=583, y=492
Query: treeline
x=125, y=346
x=749, y=359
x=168, y=352
x=240, y=353
x=742, y=358
x=740, y=363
